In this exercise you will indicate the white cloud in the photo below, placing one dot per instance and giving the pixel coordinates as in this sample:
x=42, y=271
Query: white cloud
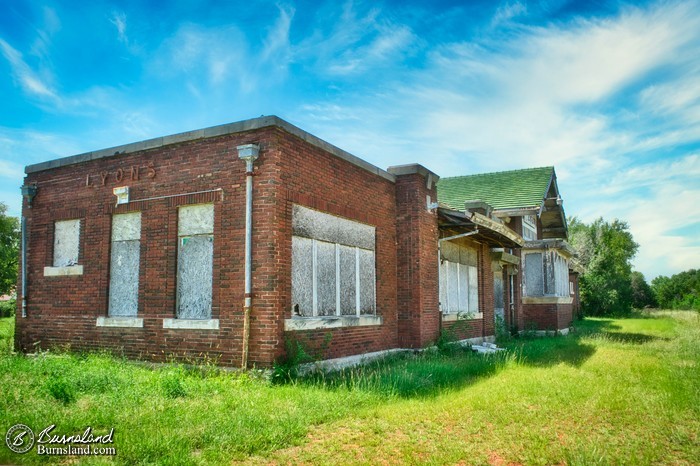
x=9, y=169
x=211, y=55
x=358, y=42
x=118, y=19
x=565, y=94
x=30, y=81
x=43, y=41
x=276, y=44
x=507, y=11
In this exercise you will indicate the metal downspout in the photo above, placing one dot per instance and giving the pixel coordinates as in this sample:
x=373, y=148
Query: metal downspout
x=249, y=153
x=24, y=266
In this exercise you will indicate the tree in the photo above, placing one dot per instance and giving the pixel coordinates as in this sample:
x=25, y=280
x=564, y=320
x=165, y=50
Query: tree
x=681, y=291
x=9, y=250
x=642, y=295
x=605, y=250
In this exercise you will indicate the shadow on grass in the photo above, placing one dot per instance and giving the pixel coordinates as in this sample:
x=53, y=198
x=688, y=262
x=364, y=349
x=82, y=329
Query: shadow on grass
x=607, y=329
x=430, y=373
x=633, y=338
x=408, y=375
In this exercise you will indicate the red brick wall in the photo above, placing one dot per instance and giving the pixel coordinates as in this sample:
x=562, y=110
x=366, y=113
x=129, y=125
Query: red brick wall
x=313, y=178
x=576, y=305
x=540, y=316
x=62, y=311
x=547, y=316
x=417, y=266
x=565, y=316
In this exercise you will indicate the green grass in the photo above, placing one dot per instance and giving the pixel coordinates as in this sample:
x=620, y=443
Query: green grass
x=617, y=391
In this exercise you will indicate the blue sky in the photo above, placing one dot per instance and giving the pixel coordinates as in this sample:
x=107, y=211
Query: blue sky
x=607, y=92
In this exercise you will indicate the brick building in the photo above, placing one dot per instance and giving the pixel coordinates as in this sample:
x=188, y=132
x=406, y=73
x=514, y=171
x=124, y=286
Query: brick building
x=228, y=241
x=541, y=283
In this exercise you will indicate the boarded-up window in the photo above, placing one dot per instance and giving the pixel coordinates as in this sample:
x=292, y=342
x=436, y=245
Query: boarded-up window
x=66, y=243
x=333, y=265
x=546, y=274
x=534, y=276
x=124, y=265
x=195, y=260
x=459, y=279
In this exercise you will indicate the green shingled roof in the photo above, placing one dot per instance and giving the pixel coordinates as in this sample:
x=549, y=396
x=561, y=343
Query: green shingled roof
x=516, y=189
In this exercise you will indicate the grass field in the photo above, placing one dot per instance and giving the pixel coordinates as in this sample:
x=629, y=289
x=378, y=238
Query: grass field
x=623, y=391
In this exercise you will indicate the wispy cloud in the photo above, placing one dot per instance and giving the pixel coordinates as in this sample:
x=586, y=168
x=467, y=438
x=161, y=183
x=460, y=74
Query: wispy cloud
x=208, y=55
x=611, y=98
x=567, y=94
x=118, y=19
x=29, y=80
x=51, y=24
x=10, y=169
x=276, y=45
x=358, y=41
x=508, y=11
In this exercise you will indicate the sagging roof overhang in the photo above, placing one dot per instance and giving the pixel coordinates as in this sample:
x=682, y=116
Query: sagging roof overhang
x=490, y=231
x=559, y=244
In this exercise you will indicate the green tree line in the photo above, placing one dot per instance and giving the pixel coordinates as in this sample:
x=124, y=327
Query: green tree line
x=680, y=291
x=605, y=251
x=609, y=286
x=9, y=256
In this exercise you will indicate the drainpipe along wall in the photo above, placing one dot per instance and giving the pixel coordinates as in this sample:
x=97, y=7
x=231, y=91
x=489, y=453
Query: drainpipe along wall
x=248, y=153
x=24, y=266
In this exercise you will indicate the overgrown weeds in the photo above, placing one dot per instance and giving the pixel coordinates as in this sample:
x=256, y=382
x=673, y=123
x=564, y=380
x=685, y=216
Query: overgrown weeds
x=631, y=385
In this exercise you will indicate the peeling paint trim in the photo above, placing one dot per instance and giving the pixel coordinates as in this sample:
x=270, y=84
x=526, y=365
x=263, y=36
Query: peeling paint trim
x=132, y=322
x=311, y=323
x=191, y=324
x=63, y=271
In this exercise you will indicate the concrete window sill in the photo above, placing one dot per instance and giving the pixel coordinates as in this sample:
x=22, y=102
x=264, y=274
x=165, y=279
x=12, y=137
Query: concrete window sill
x=547, y=300
x=63, y=271
x=456, y=317
x=312, y=323
x=129, y=322
x=191, y=324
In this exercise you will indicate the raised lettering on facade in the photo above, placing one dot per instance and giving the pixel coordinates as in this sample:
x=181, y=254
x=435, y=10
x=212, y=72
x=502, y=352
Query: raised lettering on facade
x=119, y=175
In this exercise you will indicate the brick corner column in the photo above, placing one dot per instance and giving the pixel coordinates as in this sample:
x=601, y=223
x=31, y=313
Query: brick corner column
x=417, y=264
